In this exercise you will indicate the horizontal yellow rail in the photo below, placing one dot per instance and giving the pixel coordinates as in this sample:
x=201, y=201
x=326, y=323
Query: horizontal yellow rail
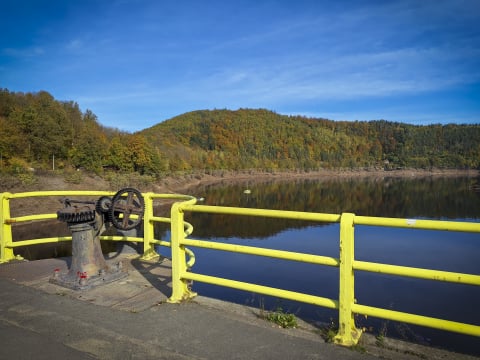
x=418, y=224
x=260, y=289
x=160, y=219
x=56, y=193
x=427, y=274
x=278, y=254
x=280, y=214
x=186, y=199
x=457, y=327
x=58, y=239
x=40, y=241
x=30, y=218
x=122, y=238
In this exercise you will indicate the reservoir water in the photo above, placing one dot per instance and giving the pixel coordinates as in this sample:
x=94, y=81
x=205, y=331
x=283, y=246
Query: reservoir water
x=413, y=198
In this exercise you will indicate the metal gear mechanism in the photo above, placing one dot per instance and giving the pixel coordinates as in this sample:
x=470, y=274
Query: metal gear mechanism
x=72, y=213
x=88, y=267
x=103, y=205
x=127, y=209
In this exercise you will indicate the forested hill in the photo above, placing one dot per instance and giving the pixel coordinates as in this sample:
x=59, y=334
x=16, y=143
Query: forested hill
x=35, y=129
x=263, y=139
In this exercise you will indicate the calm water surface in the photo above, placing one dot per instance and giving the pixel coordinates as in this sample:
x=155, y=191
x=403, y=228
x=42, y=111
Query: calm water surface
x=426, y=198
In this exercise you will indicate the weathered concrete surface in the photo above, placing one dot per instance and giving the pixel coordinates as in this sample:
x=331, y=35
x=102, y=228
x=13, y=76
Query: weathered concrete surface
x=130, y=319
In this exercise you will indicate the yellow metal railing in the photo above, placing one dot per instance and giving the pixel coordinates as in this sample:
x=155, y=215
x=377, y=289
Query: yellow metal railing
x=348, y=333
x=149, y=242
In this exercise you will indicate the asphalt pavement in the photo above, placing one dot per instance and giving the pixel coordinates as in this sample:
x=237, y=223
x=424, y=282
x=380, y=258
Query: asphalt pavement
x=37, y=325
x=130, y=319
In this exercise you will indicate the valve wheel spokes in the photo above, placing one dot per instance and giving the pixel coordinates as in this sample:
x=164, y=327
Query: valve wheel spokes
x=127, y=209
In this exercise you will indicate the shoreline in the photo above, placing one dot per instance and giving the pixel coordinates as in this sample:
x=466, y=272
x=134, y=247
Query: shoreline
x=181, y=183
x=189, y=183
x=186, y=182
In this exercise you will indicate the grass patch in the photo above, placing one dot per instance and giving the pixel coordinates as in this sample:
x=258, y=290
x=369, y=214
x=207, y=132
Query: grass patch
x=329, y=332
x=279, y=316
x=282, y=318
x=382, y=334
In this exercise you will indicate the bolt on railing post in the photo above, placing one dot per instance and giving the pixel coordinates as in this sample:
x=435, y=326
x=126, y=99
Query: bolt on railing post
x=6, y=253
x=348, y=334
x=149, y=252
x=180, y=287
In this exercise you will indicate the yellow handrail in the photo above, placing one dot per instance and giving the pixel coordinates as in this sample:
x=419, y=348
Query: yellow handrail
x=149, y=242
x=348, y=333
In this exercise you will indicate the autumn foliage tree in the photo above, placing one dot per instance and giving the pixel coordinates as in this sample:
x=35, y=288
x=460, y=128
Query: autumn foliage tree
x=261, y=139
x=34, y=127
x=89, y=147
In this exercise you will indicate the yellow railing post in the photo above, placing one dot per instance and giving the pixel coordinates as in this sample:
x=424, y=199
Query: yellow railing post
x=180, y=288
x=348, y=334
x=149, y=252
x=6, y=253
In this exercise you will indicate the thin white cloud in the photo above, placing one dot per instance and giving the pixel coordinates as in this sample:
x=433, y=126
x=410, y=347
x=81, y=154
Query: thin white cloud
x=406, y=71
x=27, y=52
x=75, y=44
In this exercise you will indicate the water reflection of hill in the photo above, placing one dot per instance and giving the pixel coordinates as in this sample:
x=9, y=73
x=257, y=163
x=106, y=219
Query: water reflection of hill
x=437, y=198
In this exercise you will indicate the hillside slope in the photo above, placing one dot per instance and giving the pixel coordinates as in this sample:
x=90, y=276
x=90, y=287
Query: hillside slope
x=263, y=139
x=41, y=133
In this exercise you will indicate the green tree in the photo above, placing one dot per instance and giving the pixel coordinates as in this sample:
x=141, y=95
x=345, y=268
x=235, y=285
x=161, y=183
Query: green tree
x=90, y=146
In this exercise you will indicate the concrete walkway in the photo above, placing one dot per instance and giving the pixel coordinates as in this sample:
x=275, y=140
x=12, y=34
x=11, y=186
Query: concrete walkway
x=130, y=319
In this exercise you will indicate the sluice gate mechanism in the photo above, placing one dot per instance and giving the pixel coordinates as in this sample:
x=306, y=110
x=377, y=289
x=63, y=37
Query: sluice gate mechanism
x=87, y=220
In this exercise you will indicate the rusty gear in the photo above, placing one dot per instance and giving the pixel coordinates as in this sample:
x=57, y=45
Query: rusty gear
x=103, y=204
x=76, y=215
x=125, y=203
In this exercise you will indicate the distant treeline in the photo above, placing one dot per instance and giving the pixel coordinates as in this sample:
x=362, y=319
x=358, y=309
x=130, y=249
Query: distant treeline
x=35, y=129
x=261, y=139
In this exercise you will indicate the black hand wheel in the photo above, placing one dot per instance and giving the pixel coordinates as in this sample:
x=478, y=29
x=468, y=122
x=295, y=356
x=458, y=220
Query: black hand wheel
x=127, y=209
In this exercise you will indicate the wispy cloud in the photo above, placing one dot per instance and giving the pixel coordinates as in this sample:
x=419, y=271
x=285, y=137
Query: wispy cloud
x=74, y=45
x=406, y=71
x=24, y=52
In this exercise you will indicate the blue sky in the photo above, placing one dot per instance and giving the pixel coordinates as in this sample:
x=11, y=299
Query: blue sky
x=135, y=63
